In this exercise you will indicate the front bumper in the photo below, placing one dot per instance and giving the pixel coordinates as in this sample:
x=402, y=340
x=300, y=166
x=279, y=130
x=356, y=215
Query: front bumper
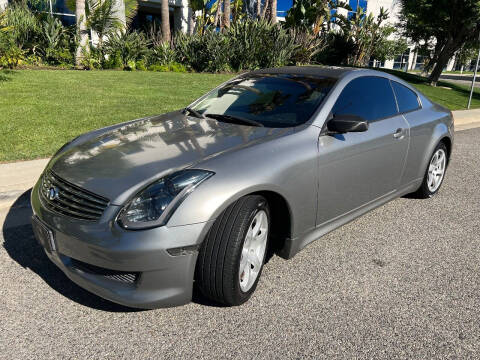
x=104, y=248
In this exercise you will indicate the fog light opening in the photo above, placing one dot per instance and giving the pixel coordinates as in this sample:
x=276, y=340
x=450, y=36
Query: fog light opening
x=185, y=250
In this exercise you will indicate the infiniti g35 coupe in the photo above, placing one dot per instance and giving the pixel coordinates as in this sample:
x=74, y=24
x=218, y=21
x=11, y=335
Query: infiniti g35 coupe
x=142, y=212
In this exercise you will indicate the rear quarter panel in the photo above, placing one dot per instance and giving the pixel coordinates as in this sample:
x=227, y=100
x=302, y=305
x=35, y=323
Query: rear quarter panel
x=427, y=127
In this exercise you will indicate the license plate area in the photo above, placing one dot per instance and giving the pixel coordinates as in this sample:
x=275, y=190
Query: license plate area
x=43, y=234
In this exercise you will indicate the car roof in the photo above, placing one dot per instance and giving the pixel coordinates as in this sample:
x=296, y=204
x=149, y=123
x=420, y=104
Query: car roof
x=335, y=72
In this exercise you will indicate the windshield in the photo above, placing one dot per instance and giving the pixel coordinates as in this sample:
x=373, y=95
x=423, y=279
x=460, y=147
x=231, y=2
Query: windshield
x=270, y=100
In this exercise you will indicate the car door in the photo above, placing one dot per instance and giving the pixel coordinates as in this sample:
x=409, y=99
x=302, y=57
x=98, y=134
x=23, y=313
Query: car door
x=358, y=168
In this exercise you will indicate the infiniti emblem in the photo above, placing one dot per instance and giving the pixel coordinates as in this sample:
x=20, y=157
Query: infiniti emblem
x=53, y=193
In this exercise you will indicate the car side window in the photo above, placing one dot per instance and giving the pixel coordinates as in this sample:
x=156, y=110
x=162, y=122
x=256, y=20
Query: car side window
x=370, y=97
x=407, y=99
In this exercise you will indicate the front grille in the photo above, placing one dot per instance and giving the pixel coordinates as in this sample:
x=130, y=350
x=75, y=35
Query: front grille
x=67, y=199
x=121, y=276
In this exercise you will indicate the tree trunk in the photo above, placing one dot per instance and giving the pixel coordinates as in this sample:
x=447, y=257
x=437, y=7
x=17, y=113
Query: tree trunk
x=442, y=61
x=218, y=13
x=165, y=21
x=265, y=8
x=273, y=11
x=191, y=21
x=226, y=13
x=82, y=31
x=119, y=12
x=259, y=7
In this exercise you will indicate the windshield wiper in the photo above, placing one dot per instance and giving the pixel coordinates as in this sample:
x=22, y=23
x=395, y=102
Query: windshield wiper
x=193, y=112
x=234, y=119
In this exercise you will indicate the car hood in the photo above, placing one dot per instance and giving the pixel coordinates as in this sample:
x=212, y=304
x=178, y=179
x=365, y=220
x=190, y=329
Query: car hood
x=119, y=162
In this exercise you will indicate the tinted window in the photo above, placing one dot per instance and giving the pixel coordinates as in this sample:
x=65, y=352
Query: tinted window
x=406, y=98
x=274, y=100
x=369, y=97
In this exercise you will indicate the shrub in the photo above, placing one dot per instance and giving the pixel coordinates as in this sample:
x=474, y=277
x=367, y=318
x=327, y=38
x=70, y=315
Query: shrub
x=177, y=67
x=258, y=44
x=113, y=62
x=11, y=55
x=128, y=47
x=245, y=45
x=57, y=43
x=207, y=52
x=91, y=59
x=140, y=65
x=25, y=26
x=162, y=54
x=173, y=67
x=308, y=46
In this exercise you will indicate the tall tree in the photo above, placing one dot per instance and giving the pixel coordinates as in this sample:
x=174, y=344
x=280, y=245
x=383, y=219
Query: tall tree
x=226, y=13
x=82, y=31
x=273, y=11
x=266, y=5
x=103, y=17
x=446, y=24
x=194, y=5
x=165, y=21
x=218, y=15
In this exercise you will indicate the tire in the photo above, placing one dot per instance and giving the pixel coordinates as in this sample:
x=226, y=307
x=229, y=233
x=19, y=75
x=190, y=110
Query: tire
x=426, y=190
x=218, y=275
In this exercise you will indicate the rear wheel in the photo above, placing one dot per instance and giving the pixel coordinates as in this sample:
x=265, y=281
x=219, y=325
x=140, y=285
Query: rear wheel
x=231, y=258
x=435, y=172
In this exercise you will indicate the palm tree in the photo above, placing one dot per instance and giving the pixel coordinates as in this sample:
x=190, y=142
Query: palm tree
x=273, y=11
x=265, y=8
x=82, y=31
x=165, y=21
x=218, y=13
x=194, y=5
x=103, y=18
x=226, y=13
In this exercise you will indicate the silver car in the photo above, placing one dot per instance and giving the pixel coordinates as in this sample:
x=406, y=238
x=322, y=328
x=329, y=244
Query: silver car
x=142, y=212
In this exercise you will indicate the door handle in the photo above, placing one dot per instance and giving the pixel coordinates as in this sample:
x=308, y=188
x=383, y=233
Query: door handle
x=399, y=134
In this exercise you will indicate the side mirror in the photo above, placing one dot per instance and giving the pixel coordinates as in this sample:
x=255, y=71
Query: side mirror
x=347, y=123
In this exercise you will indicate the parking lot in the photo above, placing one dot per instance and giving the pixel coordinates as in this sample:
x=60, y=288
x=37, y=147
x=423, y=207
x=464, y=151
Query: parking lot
x=401, y=282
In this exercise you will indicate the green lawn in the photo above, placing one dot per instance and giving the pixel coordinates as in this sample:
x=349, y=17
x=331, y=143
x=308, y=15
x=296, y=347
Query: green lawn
x=454, y=98
x=42, y=109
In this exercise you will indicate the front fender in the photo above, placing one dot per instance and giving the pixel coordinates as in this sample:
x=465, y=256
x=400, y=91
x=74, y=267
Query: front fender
x=287, y=166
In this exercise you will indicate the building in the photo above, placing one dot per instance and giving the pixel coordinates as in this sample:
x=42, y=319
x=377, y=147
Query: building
x=411, y=56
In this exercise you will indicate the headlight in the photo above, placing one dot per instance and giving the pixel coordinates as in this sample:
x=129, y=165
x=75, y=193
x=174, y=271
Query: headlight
x=154, y=205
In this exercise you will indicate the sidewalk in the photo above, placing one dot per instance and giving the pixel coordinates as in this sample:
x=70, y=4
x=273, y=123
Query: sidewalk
x=18, y=177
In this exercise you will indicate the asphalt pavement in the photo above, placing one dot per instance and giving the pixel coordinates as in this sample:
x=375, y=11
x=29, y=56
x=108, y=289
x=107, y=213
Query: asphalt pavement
x=400, y=282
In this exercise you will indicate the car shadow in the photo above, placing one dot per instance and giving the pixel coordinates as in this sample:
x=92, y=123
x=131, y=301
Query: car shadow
x=21, y=246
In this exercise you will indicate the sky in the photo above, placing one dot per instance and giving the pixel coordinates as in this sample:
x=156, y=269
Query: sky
x=283, y=5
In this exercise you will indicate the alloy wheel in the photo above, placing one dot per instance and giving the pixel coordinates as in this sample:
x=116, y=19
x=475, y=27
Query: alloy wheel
x=253, y=252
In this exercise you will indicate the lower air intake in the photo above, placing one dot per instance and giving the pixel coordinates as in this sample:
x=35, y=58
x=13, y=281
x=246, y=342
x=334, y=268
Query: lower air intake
x=120, y=276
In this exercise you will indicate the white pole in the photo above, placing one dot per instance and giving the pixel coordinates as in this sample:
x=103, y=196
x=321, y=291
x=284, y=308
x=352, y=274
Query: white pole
x=51, y=8
x=473, y=80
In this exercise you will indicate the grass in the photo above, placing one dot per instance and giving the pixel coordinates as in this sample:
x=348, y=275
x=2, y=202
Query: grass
x=454, y=98
x=41, y=110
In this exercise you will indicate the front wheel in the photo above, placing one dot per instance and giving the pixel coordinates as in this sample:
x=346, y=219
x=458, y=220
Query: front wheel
x=231, y=258
x=435, y=172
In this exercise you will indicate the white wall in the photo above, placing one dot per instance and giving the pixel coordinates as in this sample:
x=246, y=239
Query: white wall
x=392, y=6
x=3, y=4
